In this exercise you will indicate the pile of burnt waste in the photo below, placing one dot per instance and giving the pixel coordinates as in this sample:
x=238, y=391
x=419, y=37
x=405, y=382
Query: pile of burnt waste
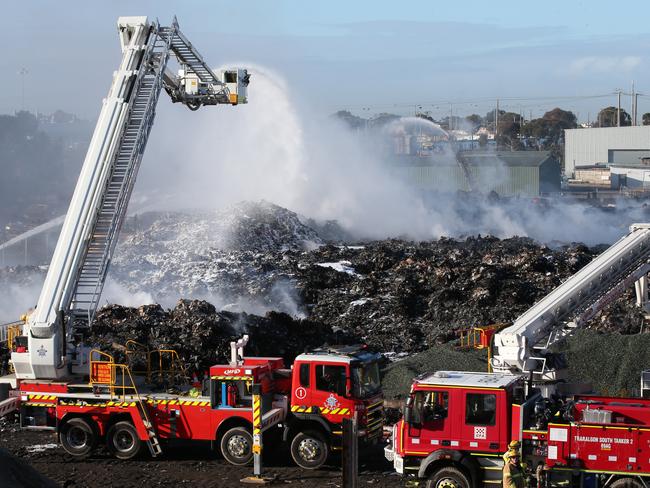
x=404, y=296
x=201, y=335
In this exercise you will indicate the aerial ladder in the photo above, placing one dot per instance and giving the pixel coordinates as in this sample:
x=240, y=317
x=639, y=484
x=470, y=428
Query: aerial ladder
x=49, y=347
x=525, y=346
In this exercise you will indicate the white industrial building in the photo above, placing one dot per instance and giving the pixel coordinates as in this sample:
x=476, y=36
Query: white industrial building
x=605, y=145
x=625, y=177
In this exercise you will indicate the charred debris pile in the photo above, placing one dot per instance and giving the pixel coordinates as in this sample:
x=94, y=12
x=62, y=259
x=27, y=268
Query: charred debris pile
x=300, y=292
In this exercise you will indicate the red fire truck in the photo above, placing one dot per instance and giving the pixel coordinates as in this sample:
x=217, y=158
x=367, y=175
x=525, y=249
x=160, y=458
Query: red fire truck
x=306, y=404
x=457, y=425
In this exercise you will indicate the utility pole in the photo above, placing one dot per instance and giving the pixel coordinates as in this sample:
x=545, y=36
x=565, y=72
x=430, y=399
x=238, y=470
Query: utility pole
x=636, y=106
x=451, y=116
x=633, y=115
x=618, y=110
x=23, y=72
x=496, y=124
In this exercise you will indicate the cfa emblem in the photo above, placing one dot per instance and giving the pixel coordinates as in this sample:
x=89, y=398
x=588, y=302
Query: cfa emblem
x=42, y=352
x=301, y=393
x=331, y=401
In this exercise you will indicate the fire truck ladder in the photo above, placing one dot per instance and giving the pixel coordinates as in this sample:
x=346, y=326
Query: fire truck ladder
x=576, y=301
x=123, y=171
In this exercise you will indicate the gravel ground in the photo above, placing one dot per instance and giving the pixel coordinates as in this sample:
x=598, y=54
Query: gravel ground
x=181, y=465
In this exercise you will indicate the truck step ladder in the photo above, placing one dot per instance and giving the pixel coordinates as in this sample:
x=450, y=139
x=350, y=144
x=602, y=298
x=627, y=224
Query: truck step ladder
x=152, y=442
x=491, y=471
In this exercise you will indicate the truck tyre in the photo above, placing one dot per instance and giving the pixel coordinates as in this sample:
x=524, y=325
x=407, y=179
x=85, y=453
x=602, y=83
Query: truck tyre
x=122, y=440
x=237, y=446
x=626, y=483
x=309, y=449
x=78, y=437
x=448, y=477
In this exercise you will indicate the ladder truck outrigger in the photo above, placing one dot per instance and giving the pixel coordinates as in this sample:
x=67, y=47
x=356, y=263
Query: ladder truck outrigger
x=457, y=425
x=86, y=396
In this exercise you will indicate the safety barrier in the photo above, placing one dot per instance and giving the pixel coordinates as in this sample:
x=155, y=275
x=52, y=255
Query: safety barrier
x=160, y=364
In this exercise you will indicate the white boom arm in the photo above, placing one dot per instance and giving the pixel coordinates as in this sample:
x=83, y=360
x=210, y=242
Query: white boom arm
x=522, y=347
x=77, y=272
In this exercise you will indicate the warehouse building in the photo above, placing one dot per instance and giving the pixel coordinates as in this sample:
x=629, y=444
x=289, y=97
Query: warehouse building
x=630, y=177
x=509, y=174
x=605, y=145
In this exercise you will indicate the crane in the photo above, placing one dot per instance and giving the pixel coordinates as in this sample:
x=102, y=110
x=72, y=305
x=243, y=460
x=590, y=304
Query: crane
x=49, y=345
x=525, y=345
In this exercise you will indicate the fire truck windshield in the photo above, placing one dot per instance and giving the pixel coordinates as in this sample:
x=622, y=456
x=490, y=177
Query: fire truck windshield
x=365, y=379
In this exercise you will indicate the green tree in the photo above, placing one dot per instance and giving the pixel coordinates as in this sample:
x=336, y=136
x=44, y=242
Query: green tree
x=549, y=129
x=509, y=129
x=645, y=118
x=607, y=118
x=352, y=121
x=475, y=121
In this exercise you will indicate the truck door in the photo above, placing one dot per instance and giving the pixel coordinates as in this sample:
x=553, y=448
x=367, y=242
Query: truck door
x=331, y=386
x=302, y=391
x=481, y=429
x=431, y=426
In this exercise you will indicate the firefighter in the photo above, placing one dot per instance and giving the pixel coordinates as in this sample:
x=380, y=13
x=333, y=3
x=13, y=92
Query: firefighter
x=513, y=473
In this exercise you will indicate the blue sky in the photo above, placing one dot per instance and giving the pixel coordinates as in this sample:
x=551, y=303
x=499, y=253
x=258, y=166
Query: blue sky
x=369, y=56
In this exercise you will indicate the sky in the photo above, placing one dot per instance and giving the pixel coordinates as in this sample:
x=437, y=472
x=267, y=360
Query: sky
x=364, y=56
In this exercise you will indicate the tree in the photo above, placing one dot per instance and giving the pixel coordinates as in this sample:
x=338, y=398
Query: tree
x=475, y=121
x=352, y=121
x=645, y=119
x=549, y=129
x=607, y=118
x=562, y=118
x=383, y=119
x=508, y=129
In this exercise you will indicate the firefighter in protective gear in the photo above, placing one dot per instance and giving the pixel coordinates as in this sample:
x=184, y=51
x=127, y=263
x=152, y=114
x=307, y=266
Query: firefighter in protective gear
x=513, y=473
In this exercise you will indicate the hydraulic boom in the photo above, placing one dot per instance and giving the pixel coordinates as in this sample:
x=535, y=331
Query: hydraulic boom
x=524, y=346
x=75, y=279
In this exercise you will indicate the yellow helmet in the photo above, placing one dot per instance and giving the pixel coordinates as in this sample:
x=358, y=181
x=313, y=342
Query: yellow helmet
x=514, y=445
x=510, y=454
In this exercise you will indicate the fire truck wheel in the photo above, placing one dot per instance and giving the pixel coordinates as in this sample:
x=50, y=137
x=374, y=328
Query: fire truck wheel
x=309, y=449
x=237, y=446
x=448, y=478
x=626, y=483
x=78, y=437
x=123, y=441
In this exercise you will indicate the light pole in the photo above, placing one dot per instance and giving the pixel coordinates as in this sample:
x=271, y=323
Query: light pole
x=23, y=72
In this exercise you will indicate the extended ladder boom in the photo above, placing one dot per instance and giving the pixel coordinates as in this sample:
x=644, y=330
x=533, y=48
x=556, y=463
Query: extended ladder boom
x=80, y=262
x=523, y=345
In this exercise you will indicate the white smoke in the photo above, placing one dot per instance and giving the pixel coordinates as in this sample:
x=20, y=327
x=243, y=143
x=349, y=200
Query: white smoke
x=276, y=149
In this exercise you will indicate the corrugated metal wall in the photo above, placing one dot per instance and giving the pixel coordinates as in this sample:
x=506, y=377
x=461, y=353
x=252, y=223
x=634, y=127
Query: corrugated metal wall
x=585, y=147
x=507, y=181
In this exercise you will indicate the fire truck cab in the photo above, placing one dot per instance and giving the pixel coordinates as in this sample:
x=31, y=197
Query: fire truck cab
x=328, y=385
x=454, y=422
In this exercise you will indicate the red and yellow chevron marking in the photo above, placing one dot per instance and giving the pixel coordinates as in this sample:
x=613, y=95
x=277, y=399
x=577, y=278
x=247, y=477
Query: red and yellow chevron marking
x=257, y=415
x=41, y=397
x=188, y=403
x=231, y=378
x=34, y=404
x=324, y=411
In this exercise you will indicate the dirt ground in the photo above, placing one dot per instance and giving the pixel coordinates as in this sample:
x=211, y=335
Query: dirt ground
x=181, y=465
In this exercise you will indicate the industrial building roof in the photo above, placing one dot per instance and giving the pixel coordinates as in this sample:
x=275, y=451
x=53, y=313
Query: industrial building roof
x=481, y=158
